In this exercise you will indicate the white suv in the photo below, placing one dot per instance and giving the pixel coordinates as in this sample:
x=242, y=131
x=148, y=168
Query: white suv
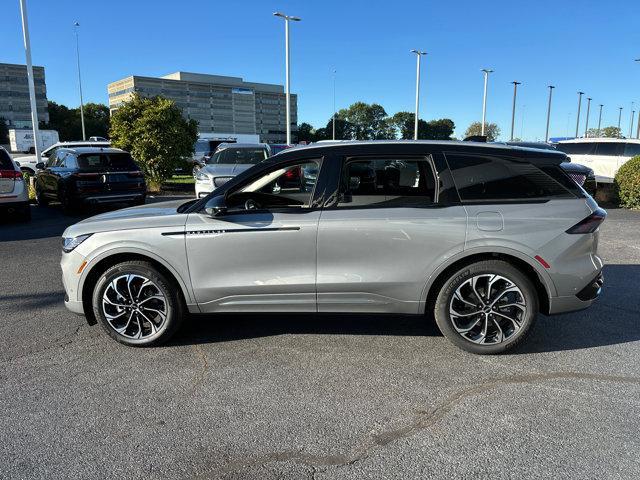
x=603, y=155
x=14, y=195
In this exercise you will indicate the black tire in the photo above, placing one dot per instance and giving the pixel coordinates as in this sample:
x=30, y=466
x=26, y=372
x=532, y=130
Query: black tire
x=68, y=205
x=526, y=321
x=41, y=200
x=166, y=286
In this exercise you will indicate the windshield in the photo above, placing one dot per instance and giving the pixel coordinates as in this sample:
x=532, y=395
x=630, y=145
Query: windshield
x=106, y=161
x=238, y=156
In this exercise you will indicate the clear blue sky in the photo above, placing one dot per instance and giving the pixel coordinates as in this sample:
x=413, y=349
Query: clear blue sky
x=576, y=45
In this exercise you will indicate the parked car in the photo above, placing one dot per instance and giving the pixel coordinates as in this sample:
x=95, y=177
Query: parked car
x=604, y=155
x=28, y=163
x=14, y=194
x=228, y=160
x=203, y=149
x=21, y=140
x=482, y=237
x=581, y=174
x=98, y=139
x=279, y=147
x=89, y=176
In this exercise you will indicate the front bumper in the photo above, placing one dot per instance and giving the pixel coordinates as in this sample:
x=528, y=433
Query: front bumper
x=583, y=299
x=113, y=198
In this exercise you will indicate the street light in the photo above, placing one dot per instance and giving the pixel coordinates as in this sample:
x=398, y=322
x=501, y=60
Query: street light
x=334, y=105
x=32, y=88
x=633, y=113
x=600, y=119
x=586, y=124
x=486, y=72
x=619, y=120
x=76, y=26
x=287, y=18
x=578, y=117
x=513, y=109
x=546, y=135
x=419, y=54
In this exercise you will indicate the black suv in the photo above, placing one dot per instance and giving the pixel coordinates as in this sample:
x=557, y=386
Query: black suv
x=90, y=176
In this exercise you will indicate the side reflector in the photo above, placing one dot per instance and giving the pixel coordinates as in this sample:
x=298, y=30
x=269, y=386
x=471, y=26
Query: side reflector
x=542, y=261
x=82, y=265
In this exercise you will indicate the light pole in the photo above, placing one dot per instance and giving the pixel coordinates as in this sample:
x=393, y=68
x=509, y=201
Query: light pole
x=619, y=120
x=419, y=54
x=633, y=113
x=76, y=26
x=578, y=117
x=586, y=124
x=638, y=130
x=32, y=88
x=334, y=105
x=600, y=119
x=513, y=109
x=486, y=72
x=287, y=19
x=546, y=135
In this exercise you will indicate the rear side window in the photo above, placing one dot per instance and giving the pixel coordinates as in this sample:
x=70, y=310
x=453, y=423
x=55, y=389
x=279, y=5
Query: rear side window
x=238, y=156
x=5, y=160
x=484, y=178
x=631, y=149
x=387, y=182
x=106, y=161
x=583, y=148
x=609, y=148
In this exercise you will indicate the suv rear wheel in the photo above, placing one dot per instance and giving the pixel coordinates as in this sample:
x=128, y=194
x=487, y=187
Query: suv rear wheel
x=487, y=307
x=137, y=305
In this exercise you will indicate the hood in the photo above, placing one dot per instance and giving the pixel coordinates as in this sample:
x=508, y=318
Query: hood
x=162, y=214
x=225, y=170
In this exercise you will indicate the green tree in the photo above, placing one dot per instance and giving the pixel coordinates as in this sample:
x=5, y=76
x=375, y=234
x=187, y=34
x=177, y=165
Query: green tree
x=441, y=129
x=492, y=131
x=4, y=132
x=305, y=132
x=156, y=134
x=67, y=121
x=403, y=124
x=368, y=122
x=97, y=120
x=611, y=132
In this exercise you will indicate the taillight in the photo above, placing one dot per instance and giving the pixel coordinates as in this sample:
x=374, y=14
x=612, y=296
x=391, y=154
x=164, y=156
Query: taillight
x=292, y=173
x=15, y=174
x=591, y=223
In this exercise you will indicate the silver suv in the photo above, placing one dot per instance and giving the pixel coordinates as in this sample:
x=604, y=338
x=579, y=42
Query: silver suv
x=480, y=237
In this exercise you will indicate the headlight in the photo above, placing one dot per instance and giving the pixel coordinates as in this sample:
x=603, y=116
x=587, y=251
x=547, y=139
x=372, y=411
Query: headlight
x=202, y=177
x=70, y=243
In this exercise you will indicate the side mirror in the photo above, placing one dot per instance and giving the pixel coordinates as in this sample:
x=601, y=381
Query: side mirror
x=17, y=163
x=216, y=206
x=354, y=183
x=40, y=165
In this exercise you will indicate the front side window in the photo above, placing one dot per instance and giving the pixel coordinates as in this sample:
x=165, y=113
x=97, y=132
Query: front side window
x=387, y=182
x=609, y=148
x=289, y=186
x=581, y=148
x=488, y=178
x=238, y=156
x=631, y=149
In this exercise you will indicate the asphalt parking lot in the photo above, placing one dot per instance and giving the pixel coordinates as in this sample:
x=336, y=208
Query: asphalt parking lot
x=325, y=397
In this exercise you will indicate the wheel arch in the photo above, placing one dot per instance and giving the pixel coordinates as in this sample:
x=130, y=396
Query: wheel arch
x=102, y=264
x=541, y=281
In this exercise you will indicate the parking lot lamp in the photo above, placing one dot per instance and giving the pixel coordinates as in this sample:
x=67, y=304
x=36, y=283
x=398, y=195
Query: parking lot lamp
x=287, y=19
x=586, y=124
x=415, y=120
x=334, y=105
x=513, y=109
x=76, y=27
x=633, y=113
x=486, y=72
x=32, y=89
x=619, y=120
x=546, y=135
x=600, y=119
x=578, y=116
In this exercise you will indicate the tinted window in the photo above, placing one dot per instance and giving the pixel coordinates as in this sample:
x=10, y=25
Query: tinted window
x=583, y=148
x=631, y=149
x=5, y=161
x=106, y=161
x=238, y=156
x=609, y=148
x=483, y=178
x=387, y=183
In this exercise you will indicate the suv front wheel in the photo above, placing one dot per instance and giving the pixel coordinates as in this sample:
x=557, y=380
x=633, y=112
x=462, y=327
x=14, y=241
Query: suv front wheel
x=487, y=307
x=137, y=305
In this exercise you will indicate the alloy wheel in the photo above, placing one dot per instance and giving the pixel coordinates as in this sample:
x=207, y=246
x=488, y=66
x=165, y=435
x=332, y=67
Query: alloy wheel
x=134, y=306
x=487, y=309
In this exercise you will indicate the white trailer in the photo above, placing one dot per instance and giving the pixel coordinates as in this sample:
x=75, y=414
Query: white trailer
x=21, y=140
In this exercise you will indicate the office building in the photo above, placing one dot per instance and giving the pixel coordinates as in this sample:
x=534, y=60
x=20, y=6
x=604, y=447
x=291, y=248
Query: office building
x=14, y=95
x=223, y=106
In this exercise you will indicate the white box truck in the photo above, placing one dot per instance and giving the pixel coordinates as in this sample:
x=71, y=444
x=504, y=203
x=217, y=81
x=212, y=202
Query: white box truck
x=21, y=140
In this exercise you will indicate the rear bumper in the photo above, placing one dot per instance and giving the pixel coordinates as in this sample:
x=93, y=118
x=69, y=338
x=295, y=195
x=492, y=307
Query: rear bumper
x=73, y=306
x=583, y=299
x=13, y=205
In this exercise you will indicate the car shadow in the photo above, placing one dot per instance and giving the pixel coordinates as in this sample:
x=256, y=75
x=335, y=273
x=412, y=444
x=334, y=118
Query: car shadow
x=611, y=320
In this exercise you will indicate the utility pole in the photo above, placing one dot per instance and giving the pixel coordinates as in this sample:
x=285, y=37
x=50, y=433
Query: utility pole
x=546, y=135
x=586, y=125
x=600, y=119
x=578, y=116
x=619, y=120
x=513, y=109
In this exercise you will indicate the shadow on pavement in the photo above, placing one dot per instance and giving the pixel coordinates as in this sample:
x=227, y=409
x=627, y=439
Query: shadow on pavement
x=613, y=319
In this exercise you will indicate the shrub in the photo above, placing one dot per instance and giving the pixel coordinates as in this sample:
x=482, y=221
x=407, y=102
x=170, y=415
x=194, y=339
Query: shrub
x=628, y=183
x=30, y=189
